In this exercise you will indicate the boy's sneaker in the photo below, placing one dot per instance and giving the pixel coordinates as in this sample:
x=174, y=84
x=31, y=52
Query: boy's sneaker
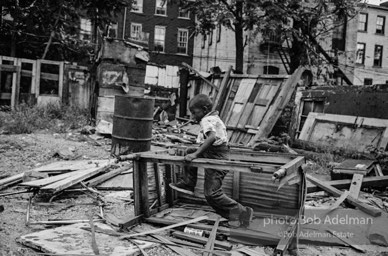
x=183, y=188
x=246, y=217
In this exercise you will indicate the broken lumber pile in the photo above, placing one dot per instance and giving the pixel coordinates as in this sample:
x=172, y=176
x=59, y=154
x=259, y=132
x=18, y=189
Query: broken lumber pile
x=62, y=175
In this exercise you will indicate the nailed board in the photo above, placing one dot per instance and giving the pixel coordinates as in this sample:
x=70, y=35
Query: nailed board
x=65, y=166
x=73, y=240
x=119, y=182
x=348, y=132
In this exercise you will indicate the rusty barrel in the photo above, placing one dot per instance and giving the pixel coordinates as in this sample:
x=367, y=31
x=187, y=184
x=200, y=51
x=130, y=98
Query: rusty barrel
x=132, y=124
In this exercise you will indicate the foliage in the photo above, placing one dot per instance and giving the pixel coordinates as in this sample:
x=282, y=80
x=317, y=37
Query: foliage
x=54, y=117
x=34, y=22
x=301, y=21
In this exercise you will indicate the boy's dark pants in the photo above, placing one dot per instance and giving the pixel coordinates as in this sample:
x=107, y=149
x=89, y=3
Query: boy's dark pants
x=222, y=204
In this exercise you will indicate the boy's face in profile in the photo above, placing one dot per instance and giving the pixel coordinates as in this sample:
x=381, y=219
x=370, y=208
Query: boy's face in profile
x=197, y=113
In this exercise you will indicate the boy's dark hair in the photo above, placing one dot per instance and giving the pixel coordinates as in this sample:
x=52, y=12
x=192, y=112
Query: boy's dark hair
x=201, y=101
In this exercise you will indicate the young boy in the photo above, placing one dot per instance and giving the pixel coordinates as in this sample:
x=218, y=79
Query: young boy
x=214, y=144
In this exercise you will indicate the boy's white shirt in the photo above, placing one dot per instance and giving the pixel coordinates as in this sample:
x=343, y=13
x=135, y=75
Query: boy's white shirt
x=211, y=122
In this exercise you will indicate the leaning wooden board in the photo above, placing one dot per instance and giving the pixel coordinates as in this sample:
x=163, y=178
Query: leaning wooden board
x=349, y=132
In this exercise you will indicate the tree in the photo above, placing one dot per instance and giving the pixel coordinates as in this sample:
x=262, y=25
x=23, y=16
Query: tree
x=310, y=20
x=50, y=28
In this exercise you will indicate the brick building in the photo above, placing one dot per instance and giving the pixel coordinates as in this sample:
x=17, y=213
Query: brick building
x=165, y=27
x=365, y=60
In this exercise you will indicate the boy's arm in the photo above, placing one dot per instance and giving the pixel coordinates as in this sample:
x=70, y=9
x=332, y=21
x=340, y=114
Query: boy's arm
x=211, y=138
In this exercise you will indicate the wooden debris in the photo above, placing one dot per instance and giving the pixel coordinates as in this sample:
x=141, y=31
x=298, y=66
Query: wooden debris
x=346, y=241
x=380, y=181
x=70, y=181
x=199, y=74
x=221, y=95
x=33, y=175
x=184, y=223
x=94, y=243
x=50, y=180
x=354, y=189
x=179, y=250
x=353, y=201
x=110, y=174
x=201, y=240
x=210, y=243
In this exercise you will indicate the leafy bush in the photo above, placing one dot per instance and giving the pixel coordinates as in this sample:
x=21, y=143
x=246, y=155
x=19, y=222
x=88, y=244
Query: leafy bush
x=54, y=117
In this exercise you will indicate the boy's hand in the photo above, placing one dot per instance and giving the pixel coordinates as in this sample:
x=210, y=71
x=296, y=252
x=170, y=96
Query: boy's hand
x=190, y=157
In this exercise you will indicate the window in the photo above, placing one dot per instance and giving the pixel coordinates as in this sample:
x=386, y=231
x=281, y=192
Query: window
x=309, y=105
x=184, y=14
x=360, y=54
x=363, y=22
x=271, y=70
x=113, y=30
x=85, y=29
x=137, y=6
x=368, y=81
x=159, y=37
x=218, y=31
x=378, y=57
x=380, y=25
x=136, y=30
x=161, y=7
x=183, y=38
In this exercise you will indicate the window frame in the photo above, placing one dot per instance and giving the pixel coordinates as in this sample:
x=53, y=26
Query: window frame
x=140, y=7
x=365, y=23
x=363, y=56
x=180, y=10
x=164, y=39
x=132, y=25
x=382, y=26
x=187, y=41
x=162, y=7
x=380, y=60
x=84, y=22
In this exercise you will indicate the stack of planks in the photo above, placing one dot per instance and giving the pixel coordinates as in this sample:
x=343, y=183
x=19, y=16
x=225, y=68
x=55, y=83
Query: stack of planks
x=62, y=175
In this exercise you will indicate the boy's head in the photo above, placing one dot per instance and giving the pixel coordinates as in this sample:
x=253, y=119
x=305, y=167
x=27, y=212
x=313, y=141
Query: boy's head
x=200, y=105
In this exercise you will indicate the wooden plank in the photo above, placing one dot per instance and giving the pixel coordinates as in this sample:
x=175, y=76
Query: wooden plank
x=158, y=184
x=49, y=76
x=15, y=91
x=144, y=190
x=199, y=74
x=339, y=201
x=354, y=190
x=221, y=95
x=110, y=174
x=212, y=237
x=201, y=240
x=154, y=231
x=355, y=134
x=259, y=235
x=178, y=250
x=236, y=186
x=8, y=68
x=353, y=201
x=346, y=241
x=68, y=182
x=380, y=181
x=119, y=182
x=379, y=171
x=208, y=163
x=282, y=99
x=137, y=188
x=50, y=180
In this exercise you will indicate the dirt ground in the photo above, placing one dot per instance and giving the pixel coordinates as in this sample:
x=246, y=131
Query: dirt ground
x=19, y=153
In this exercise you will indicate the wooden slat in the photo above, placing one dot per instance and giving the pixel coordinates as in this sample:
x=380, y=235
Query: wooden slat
x=68, y=182
x=50, y=180
x=282, y=99
x=110, y=174
x=222, y=92
x=380, y=181
x=353, y=201
x=212, y=237
x=354, y=190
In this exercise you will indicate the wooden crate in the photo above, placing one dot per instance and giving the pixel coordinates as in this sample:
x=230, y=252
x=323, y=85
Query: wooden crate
x=249, y=182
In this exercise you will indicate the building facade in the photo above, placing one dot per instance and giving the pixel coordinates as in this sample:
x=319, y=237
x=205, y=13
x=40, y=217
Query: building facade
x=218, y=48
x=163, y=26
x=365, y=60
